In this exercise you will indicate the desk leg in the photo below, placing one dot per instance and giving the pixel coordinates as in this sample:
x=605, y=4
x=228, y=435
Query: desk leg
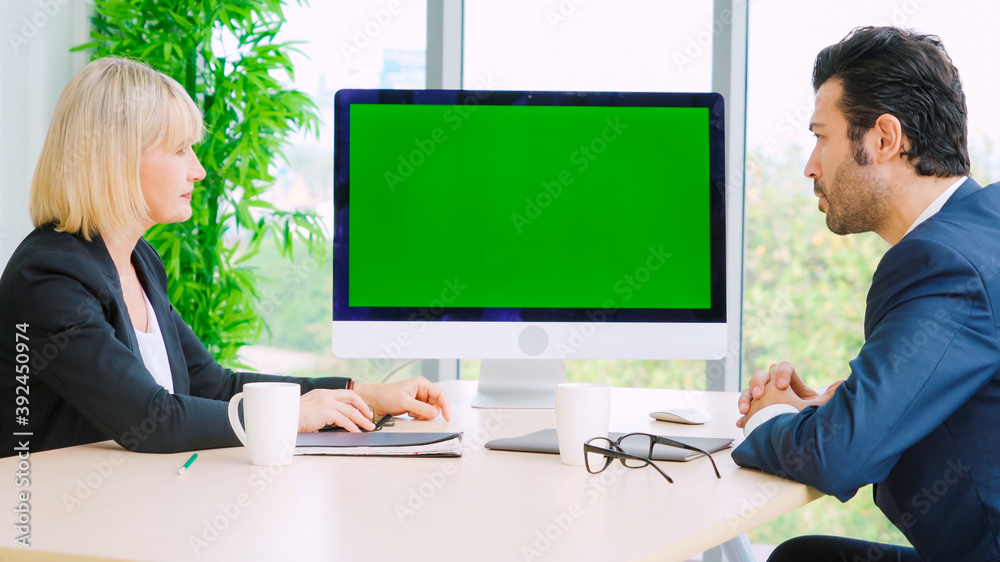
x=738, y=550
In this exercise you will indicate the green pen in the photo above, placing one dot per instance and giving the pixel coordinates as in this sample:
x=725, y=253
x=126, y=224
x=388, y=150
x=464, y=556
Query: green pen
x=381, y=422
x=187, y=464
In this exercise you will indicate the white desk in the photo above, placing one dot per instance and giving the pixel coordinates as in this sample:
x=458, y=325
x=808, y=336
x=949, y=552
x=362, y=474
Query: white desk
x=99, y=500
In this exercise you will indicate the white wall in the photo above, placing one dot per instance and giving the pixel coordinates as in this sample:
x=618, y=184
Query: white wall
x=35, y=65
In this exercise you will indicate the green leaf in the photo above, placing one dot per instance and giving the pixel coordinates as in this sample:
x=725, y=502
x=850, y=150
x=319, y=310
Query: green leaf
x=84, y=46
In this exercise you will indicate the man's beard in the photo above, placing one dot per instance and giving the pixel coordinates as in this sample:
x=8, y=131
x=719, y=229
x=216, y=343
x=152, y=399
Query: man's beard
x=860, y=201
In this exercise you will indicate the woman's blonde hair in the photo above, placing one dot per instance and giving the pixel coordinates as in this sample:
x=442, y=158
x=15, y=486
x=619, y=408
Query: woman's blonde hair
x=111, y=112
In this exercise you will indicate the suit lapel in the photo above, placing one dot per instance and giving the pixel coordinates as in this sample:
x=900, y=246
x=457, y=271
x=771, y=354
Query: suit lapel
x=968, y=187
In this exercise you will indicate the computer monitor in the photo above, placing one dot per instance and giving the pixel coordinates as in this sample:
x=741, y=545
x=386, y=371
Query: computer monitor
x=525, y=228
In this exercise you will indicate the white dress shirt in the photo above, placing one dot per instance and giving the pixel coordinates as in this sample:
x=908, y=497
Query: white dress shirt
x=936, y=204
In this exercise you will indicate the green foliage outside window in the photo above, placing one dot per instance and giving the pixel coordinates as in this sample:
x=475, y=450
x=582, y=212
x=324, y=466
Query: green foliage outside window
x=226, y=57
x=804, y=287
x=804, y=302
x=805, y=291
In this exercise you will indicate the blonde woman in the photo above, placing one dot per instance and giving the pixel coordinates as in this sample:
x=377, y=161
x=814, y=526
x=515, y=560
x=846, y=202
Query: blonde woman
x=109, y=356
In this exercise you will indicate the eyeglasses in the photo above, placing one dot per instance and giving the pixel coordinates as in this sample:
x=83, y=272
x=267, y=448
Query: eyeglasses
x=634, y=450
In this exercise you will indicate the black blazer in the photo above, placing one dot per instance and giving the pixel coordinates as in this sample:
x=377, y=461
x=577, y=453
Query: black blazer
x=87, y=381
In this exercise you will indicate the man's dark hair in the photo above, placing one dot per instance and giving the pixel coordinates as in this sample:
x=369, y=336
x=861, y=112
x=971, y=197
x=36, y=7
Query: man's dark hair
x=907, y=75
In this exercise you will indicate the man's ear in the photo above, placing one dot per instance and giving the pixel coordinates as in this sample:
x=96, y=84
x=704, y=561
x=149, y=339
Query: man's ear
x=887, y=138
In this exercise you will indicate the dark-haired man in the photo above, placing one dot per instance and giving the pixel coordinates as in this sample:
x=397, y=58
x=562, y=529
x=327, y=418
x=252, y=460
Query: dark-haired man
x=919, y=413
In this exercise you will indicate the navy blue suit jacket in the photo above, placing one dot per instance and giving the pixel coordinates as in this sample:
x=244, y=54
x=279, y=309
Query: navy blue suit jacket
x=919, y=415
x=87, y=379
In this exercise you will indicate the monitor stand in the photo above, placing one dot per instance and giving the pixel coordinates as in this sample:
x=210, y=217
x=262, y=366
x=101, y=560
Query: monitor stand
x=519, y=383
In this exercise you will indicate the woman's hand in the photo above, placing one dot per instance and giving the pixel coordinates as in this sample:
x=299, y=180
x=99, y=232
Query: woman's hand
x=418, y=397
x=343, y=408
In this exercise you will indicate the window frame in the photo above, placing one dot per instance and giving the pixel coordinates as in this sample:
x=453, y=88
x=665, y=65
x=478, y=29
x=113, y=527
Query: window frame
x=445, y=46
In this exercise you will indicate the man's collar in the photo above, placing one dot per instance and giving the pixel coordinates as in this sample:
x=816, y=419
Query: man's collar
x=968, y=188
x=940, y=201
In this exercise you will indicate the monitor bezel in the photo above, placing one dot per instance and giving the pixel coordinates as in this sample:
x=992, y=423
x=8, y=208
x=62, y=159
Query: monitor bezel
x=468, y=100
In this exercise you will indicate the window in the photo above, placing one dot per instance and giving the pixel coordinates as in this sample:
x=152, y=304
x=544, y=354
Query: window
x=804, y=287
x=362, y=44
x=636, y=45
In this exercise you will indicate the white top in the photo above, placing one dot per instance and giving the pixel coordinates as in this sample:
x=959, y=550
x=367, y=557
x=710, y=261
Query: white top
x=776, y=410
x=153, y=350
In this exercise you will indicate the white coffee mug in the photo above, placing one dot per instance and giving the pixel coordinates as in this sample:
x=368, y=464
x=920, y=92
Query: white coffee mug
x=271, y=414
x=583, y=411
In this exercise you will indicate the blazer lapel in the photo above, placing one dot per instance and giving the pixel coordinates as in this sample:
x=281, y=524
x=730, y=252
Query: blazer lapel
x=99, y=251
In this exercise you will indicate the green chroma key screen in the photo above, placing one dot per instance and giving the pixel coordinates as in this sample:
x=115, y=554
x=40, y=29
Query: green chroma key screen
x=529, y=206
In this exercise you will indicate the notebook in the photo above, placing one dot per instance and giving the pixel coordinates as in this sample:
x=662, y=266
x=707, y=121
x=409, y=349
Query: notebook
x=545, y=441
x=380, y=444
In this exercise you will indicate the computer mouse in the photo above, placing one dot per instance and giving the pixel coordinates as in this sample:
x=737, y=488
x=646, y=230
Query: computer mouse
x=682, y=415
